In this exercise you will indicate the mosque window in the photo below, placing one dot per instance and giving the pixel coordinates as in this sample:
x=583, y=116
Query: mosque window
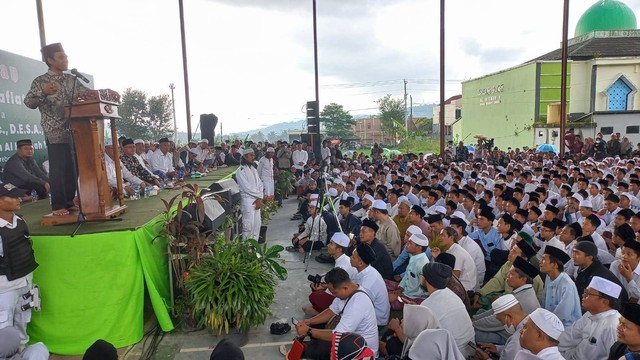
x=619, y=95
x=606, y=130
x=633, y=129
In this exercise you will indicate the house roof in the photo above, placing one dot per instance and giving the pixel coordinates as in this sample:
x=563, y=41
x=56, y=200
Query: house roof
x=598, y=45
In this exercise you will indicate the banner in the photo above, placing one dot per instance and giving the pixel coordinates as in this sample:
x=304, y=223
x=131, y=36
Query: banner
x=16, y=120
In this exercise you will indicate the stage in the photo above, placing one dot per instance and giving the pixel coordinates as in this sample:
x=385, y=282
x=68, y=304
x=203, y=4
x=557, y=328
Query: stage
x=92, y=285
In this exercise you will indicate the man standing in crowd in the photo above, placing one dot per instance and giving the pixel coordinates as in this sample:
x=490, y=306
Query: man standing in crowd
x=50, y=93
x=265, y=170
x=251, y=194
x=22, y=171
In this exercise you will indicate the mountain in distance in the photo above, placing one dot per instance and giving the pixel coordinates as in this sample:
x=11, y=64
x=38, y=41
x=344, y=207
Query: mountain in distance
x=419, y=111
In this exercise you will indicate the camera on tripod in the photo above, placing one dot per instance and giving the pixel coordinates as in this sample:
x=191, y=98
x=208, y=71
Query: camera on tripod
x=315, y=279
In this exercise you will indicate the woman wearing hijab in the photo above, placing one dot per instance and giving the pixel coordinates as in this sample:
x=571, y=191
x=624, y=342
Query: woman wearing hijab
x=416, y=319
x=435, y=344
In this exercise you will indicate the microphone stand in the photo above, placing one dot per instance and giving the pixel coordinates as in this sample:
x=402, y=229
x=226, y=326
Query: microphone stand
x=82, y=219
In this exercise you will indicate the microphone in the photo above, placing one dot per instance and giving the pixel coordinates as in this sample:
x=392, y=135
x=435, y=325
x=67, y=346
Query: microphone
x=78, y=75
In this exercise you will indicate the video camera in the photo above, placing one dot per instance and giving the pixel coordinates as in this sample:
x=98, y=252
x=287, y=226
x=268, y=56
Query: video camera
x=315, y=279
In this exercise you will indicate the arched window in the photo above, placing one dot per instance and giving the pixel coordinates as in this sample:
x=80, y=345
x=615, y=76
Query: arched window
x=619, y=95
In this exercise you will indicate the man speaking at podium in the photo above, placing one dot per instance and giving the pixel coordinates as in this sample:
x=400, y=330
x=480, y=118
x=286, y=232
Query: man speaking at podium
x=50, y=93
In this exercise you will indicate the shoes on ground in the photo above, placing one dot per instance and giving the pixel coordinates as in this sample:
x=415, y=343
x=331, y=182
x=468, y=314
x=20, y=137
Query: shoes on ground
x=292, y=248
x=325, y=258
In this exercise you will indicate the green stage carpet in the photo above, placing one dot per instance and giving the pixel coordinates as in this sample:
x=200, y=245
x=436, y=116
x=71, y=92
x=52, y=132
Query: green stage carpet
x=92, y=285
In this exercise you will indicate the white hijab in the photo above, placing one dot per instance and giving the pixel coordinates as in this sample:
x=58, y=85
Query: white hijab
x=435, y=344
x=416, y=319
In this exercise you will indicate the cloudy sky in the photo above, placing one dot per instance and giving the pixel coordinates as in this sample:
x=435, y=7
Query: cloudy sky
x=251, y=61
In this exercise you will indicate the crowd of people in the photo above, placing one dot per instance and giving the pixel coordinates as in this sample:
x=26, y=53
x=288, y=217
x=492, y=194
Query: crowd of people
x=514, y=254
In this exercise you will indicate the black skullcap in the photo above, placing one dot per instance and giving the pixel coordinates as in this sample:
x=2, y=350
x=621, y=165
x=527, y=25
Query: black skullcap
x=526, y=248
x=613, y=197
x=522, y=212
x=226, y=350
x=526, y=267
x=433, y=218
x=550, y=224
x=419, y=210
x=553, y=209
x=536, y=210
x=577, y=228
x=163, y=140
x=366, y=253
x=370, y=224
x=470, y=196
x=458, y=222
x=452, y=204
x=626, y=213
x=49, y=50
x=23, y=142
x=566, y=187
x=588, y=238
x=633, y=244
x=447, y=259
x=437, y=274
x=631, y=312
x=594, y=219
x=101, y=350
x=126, y=142
x=487, y=213
x=625, y=232
x=557, y=253
x=587, y=247
x=345, y=203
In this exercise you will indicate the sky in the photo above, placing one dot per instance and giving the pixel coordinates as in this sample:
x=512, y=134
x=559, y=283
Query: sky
x=250, y=62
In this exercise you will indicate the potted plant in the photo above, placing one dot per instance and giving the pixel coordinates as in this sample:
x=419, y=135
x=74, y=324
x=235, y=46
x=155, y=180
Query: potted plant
x=267, y=210
x=234, y=288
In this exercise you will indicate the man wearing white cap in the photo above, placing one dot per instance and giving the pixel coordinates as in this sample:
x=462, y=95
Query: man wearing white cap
x=540, y=335
x=251, y=193
x=265, y=171
x=410, y=284
x=388, y=232
x=593, y=334
x=315, y=232
x=509, y=313
x=597, y=200
x=141, y=153
x=320, y=297
x=363, y=211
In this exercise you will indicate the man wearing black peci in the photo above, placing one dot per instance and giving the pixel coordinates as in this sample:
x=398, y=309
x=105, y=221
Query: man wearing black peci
x=50, y=93
x=22, y=171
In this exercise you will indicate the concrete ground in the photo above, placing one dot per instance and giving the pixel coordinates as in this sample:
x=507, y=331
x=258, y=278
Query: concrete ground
x=291, y=296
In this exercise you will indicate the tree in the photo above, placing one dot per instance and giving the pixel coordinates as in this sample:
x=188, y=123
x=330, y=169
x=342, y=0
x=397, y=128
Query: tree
x=160, y=121
x=272, y=137
x=133, y=111
x=284, y=135
x=257, y=137
x=337, y=121
x=392, y=111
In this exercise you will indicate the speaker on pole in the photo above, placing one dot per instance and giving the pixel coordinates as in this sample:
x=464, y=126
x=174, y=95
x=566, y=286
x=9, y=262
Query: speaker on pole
x=208, y=124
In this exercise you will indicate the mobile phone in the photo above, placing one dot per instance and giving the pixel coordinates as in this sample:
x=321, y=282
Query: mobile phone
x=294, y=321
x=473, y=345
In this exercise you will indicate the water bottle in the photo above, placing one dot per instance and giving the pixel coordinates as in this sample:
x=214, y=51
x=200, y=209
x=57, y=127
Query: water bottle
x=34, y=196
x=181, y=175
x=147, y=191
x=136, y=195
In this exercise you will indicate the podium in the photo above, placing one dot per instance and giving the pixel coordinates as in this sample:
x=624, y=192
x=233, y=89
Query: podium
x=87, y=123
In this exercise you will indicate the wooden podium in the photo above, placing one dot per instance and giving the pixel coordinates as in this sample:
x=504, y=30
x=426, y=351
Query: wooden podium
x=88, y=113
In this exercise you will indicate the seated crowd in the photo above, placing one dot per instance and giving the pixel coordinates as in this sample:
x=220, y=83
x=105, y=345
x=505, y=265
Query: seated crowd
x=535, y=257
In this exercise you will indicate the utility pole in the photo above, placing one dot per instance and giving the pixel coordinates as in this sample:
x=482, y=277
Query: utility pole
x=406, y=119
x=442, y=43
x=411, y=109
x=184, y=69
x=43, y=39
x=563, y=77
x=175, y=125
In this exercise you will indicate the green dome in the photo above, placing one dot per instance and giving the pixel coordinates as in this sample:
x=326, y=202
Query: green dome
x=606, y=15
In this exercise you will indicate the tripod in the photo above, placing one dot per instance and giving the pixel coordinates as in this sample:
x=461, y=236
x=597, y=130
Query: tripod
x=325, y=197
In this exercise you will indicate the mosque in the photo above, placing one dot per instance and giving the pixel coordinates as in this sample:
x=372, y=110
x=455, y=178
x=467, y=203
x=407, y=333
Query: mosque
x=520, y=106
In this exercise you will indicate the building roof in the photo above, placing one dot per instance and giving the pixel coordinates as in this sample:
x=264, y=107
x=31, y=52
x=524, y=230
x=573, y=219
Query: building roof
x=599, y=44
x=606, y=15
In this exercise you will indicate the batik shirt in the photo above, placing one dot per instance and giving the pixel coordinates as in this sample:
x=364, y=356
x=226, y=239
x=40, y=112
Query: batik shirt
x=54, y=124
x=133, y=165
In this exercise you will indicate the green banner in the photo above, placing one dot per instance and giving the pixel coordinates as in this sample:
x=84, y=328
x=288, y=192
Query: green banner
x=16, y=120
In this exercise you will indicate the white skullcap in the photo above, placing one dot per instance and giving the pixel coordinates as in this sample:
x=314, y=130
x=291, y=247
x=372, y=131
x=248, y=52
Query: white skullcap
x=108, y=143
x=345, y=174
x=333, y=192
x=138, y=141
x=386, y=168
x=204, y=141
x=341, y=239
x=440, y=209
x=193, y=151
x=419, y=239
x=314, y=196
x=339, y=182
x=193, y=141
x=336, y=171
x=460, y=215
x=605, y=286
x=577, y=196
x=404, y=199
x=597, y=185
x=270, y=149
x=380, y=205
x=548, y=322
x=503, y=303
x=313, y=204
x=368, y=197
x=414, y=229
x=586, y=203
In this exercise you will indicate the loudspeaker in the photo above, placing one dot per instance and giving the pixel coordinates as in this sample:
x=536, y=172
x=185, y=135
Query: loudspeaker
x=208, y=124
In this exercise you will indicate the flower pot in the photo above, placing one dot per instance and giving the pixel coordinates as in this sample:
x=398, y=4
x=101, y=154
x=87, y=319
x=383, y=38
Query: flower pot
x=263, y=234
